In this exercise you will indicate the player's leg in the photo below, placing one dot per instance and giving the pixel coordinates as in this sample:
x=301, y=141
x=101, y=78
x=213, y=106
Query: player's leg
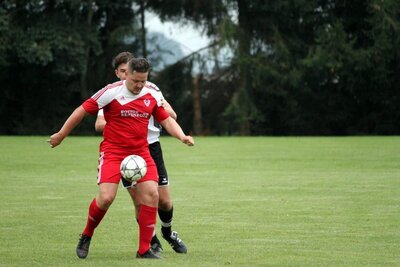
x=165, y=207
x=136, y=199
x=134, y=196
x=107, y=179
x=97, y=209
x=155, y=243
x=148, y=196
x=165, y=212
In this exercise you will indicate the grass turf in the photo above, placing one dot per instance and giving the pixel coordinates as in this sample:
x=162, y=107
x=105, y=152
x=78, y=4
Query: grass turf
x=238, y=201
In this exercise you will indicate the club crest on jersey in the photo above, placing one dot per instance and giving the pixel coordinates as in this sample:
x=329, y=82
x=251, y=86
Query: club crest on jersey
x=146, y=102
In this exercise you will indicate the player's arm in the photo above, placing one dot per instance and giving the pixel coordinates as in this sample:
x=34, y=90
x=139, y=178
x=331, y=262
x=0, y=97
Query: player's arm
x=169, y=109
x=175, y=130
x=74, y=119
x=100, y=123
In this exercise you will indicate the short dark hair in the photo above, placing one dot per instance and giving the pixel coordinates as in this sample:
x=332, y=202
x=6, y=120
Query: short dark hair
x=122, y=58
x=138, y=65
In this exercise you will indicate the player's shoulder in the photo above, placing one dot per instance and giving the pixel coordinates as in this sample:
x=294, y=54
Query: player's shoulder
x=109, y=89
x=152, y=86
x=114, y=85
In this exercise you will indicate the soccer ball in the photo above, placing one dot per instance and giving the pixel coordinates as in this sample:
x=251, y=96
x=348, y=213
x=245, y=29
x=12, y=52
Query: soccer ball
x=133, y=168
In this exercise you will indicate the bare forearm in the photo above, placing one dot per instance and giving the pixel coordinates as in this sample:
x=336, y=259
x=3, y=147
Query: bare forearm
x=169, y=109
x=74, y=119
x=175, y=130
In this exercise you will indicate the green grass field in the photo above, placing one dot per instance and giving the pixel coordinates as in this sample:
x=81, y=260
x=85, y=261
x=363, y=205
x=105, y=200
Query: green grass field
x=239, y=201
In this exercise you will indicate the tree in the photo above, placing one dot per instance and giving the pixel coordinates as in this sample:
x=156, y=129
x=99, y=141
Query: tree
x=204, y=13
x=274, y=67
x=55, y=55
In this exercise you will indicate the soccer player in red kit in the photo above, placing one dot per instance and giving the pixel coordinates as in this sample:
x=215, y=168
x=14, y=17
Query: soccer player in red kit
x=165, y=205
x=127, y=107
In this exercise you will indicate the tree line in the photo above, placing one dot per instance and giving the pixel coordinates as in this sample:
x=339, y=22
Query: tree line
x=290, y=67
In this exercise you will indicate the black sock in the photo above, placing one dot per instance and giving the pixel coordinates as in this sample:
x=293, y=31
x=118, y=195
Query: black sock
x=166, y=221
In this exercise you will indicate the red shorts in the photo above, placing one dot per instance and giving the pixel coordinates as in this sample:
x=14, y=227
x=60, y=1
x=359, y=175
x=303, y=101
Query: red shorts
x=109, y=164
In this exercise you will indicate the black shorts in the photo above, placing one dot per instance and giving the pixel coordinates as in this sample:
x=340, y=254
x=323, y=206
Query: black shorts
x=156, y=154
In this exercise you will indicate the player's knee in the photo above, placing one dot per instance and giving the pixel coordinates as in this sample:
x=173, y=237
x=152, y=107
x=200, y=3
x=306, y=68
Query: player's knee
x=153, y=193
x=107, y=199
x=149, y=197
x=164, y=203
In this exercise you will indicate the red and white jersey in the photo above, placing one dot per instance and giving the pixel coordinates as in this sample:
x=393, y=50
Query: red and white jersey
x=154, y=132
x=127, y=115
x=154, y=127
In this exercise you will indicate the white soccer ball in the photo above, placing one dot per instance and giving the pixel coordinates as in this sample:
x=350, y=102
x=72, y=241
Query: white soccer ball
x=133, y=168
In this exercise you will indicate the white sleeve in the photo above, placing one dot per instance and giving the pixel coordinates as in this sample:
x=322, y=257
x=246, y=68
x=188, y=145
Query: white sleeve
x=104, y=96
x=156, y=92
x=100, y=113
x=104, y=99
x=159, y=97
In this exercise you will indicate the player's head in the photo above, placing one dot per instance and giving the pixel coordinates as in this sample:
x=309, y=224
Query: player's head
x=137, y=74
x=120, y=64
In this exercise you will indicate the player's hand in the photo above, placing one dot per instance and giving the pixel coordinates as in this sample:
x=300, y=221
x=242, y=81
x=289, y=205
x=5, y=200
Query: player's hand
x=188, y=140
x=55, y=140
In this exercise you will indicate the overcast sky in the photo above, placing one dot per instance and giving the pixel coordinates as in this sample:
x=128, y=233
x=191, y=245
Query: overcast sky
x=189, y=38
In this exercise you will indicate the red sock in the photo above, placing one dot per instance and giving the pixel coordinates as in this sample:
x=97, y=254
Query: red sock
x=147, y=223
x=94, y=218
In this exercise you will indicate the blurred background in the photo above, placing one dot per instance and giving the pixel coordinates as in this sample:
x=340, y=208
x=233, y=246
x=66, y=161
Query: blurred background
x=228, y=67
